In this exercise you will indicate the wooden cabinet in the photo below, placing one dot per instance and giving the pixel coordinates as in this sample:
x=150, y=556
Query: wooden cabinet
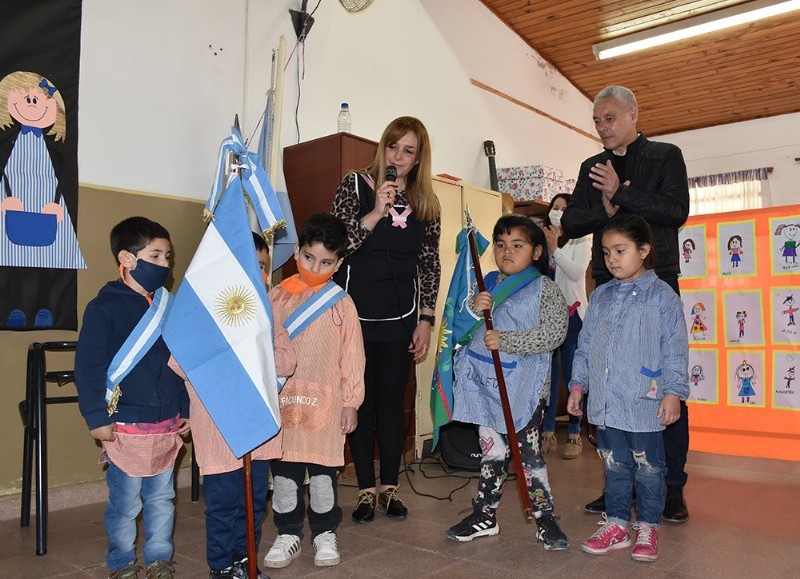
x=531, y=208
x=485, y=208
x=314, y=169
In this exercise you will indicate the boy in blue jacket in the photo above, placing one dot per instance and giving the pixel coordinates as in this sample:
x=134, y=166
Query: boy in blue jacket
x=133, y=403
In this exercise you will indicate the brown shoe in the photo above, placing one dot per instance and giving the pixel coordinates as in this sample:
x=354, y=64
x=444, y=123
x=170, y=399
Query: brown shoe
x=129, y=571
x=548, y=442
x=574, y=447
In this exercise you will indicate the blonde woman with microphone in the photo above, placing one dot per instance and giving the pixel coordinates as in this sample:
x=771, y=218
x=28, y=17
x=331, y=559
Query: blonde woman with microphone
x=392, y=272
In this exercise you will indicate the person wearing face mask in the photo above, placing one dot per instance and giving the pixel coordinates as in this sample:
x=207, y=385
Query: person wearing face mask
x=569, y=259
x=132, y=402
x=392, y=272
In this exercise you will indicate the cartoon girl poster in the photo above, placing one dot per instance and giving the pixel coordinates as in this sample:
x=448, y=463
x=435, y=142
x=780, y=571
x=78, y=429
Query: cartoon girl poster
x=736, y=243
x=784, y=314
x=746, y=378
x=741, y=311
x=36, y=229
x=703, y=376
x=692, y=242
x=785, y=387
x=784, y=243
x=699, y=310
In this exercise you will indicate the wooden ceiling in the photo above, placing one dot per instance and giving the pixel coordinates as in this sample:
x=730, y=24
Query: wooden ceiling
x=743, y=73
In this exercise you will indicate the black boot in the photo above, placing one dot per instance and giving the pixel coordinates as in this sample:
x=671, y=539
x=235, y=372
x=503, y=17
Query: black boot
x=675, y=510
x=598, y=505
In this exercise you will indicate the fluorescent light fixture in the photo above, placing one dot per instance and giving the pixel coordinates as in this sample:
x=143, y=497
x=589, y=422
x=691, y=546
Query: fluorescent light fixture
x=693, y=26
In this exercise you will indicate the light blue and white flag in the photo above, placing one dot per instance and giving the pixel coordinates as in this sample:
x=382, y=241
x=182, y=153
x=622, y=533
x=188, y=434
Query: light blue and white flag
x=220, y=328
x=286, y=237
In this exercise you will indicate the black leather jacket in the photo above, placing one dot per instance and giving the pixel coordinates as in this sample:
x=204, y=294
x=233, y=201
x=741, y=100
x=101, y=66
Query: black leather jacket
x=658, y=191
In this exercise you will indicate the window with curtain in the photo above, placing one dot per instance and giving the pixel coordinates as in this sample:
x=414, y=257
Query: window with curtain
x=736, y=191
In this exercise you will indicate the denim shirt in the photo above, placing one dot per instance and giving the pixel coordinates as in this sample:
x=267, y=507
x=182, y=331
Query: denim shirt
x=633, y=349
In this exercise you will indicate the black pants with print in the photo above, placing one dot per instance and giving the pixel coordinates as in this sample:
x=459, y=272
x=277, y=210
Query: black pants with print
x=494, y=466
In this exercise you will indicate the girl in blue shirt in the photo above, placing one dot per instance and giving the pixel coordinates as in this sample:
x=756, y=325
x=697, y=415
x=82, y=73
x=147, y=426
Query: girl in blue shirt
x=632, y=356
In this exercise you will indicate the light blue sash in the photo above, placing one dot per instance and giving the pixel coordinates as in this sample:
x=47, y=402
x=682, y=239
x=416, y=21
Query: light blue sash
x=138, y=343
x=316, y=305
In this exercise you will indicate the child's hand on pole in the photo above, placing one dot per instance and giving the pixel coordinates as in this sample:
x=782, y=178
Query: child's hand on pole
x=483, y=301
x=492, y=339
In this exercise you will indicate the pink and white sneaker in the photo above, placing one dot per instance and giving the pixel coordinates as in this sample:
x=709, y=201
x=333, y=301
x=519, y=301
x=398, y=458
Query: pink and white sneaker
x=646, y=546
x=609, y=537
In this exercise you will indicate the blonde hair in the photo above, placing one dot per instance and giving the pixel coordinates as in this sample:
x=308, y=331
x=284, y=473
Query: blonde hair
x=25, y=81
x=419, y=184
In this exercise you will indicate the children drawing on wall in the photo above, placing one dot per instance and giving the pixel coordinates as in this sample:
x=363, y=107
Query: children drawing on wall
x=745, y=380
x=696, y=374
x=688, y=247
x=699, y=328
x=790, y=310
x=735, y=250
x=740, y=319
x=791, y=233
x=789, y=377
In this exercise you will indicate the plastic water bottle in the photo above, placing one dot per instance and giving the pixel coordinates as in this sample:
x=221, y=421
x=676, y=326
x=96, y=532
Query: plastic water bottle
x=343, y=122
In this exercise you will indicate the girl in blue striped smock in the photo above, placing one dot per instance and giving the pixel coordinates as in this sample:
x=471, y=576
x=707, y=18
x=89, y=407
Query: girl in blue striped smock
x=632, y=360
x=35, y=226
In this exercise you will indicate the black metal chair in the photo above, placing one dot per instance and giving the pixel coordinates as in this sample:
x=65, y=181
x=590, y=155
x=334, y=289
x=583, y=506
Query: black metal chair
x=33, y=411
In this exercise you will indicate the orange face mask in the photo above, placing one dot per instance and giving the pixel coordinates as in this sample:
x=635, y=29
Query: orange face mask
x=312, y=279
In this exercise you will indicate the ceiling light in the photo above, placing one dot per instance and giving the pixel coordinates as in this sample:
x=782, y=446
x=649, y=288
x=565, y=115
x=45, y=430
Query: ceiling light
x=694, y=26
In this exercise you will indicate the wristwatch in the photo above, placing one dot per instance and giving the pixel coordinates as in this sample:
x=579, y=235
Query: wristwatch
x=427, y=318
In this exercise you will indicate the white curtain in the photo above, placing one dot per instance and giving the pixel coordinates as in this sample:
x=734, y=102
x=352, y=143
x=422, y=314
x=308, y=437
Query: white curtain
x=736, y=191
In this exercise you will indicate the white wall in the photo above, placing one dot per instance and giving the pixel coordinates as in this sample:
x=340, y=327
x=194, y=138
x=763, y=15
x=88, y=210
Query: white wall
x=771, y=142
x=156, y=100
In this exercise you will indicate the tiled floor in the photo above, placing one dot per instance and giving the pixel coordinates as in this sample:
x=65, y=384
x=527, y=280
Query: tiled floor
x=745, y=522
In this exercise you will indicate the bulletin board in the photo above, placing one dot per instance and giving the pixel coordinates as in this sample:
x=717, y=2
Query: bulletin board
x=740, y=284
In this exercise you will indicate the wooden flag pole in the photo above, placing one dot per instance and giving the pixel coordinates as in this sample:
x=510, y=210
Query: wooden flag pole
x=250, y=525
x=247, y=465
x=513, y=443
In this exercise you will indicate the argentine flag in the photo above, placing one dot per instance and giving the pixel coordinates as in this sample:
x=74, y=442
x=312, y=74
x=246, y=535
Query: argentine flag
x=220, y=326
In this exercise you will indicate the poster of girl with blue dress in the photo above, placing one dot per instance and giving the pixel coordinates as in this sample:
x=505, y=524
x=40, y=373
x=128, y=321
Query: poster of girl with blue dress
x=35, y=225
x=746, y=378
x=736, y=248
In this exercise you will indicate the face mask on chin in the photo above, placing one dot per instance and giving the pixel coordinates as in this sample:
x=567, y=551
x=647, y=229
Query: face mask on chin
x=149, y=275
x=555, y=217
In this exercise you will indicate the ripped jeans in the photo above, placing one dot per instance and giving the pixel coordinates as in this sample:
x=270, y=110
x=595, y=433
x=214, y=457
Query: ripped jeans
x=629, y=457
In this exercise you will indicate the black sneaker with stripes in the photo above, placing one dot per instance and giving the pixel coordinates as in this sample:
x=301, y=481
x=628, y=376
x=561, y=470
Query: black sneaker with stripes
x=478, y=524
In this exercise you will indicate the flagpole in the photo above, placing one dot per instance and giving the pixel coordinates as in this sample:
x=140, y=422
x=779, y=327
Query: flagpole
x=247, y=465
x=501, y=386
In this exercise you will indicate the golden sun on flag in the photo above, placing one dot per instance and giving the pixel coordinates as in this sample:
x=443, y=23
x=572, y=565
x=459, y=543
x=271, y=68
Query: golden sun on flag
x=235, y=306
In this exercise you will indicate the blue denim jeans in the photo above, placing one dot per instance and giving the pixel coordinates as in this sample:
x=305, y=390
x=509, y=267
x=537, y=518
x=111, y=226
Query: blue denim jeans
x=226, y=532
x=127, y=497
x=629, y=457
x=562, y=363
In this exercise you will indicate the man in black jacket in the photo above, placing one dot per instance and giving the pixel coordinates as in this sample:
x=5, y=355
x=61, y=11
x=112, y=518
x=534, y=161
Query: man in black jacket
x=635, y=175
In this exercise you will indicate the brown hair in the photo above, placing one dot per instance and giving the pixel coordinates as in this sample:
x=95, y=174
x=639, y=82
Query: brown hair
x=419, y=185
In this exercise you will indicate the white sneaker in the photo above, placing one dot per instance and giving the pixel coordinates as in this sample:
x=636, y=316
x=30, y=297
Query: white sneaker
x=285, y=549
x=326, y=552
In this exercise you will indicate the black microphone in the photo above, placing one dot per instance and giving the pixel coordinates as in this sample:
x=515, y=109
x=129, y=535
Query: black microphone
x=389, y=175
